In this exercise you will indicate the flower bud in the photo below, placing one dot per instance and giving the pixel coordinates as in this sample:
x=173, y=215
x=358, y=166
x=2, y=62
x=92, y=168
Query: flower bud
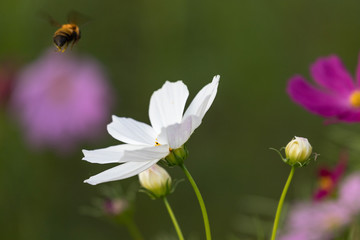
x=114, y=207
x=156, y=181
x=298, y=151
x=177, y=156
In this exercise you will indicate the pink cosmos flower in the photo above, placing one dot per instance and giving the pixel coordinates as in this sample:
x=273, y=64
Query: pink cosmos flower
x=60, y=100
x=349, y=193
x=299, y=235
x=329, y=178
x=336, y=95
x=317, y=221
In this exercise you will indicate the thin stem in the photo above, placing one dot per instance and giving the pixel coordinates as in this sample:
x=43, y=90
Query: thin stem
x=173, y=218
x=201, y=201
x=133, y=229
x=281, y=203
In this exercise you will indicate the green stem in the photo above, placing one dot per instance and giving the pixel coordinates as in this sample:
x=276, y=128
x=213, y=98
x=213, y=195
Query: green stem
x=133, y=229
x=281, y=203
x=173, y=218
x=201, y=201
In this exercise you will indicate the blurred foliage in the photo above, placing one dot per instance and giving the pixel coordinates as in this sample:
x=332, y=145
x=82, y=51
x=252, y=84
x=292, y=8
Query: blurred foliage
x=254, y=45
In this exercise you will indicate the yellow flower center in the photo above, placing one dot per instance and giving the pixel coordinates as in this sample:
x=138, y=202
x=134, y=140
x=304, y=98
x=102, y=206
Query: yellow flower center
x=332, y=223
x=157, y=143
x=326, y=183
x=355, y=99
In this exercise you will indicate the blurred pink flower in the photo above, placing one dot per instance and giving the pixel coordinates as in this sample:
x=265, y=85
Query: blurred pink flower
x=299, y=235
x=115, y=206
x=60, y=100
x=321, y=221
x=349, y=193
x=337, y=96
x=329, y=178
x=8, y=71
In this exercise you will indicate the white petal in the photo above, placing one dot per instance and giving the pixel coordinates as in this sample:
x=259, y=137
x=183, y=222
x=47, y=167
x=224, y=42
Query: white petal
x=167, y=105
x=131, y=131
x=126, y=153
x=203, y=100
x=178, y=134
x=105, y=155
x=125, y=170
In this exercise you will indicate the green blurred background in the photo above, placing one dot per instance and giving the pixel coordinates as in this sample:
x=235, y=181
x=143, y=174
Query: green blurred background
x=254, y=45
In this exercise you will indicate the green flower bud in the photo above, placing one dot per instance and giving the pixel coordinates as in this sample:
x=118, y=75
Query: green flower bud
x=177, y=156
x=156, y=181
x=298, y=151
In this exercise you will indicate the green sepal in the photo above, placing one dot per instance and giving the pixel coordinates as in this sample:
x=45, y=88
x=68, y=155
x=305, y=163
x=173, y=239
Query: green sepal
x=149, y=193
x=175, y=184
x=177, y=156
x=299, y=164
x=153, y=196
x=296, y=164
x=170, y=188
x=285, y=160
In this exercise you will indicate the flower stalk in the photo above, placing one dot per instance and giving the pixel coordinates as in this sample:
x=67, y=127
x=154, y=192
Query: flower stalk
x=201, y=201
x=133, y=229
x=281, y=203
x=173, y=218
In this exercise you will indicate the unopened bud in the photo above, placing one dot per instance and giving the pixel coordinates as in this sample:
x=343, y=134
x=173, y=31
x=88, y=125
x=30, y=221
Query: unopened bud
x=114, y=207
x=177, y=156
x=298, y=151
x=156, y=181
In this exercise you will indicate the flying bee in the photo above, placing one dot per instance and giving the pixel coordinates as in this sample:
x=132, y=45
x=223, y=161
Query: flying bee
x=68, y=33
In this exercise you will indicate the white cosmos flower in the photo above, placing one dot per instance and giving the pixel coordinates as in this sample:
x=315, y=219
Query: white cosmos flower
x=145, y=145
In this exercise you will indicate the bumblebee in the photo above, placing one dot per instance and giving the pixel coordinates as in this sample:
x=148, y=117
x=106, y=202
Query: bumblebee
x=68, y=33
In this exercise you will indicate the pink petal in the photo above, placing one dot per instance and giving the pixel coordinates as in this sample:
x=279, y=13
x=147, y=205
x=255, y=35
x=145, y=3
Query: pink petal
x=351, y=115
x=314, y=100
x=320, y=195
x=330, y=73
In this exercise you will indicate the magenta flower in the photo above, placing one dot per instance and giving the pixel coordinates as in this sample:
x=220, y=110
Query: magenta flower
x=60, y=100
x=329, y=178
x=8, y=71
x=337, y=96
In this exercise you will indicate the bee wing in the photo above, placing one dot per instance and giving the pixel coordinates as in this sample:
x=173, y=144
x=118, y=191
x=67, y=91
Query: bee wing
x=48, y=18
x=78, y=18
